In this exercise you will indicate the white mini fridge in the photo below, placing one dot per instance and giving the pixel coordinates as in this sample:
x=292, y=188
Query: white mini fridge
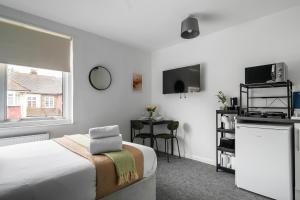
x=264, y=160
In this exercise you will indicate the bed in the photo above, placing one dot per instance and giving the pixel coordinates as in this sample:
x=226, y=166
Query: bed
x=46, y=170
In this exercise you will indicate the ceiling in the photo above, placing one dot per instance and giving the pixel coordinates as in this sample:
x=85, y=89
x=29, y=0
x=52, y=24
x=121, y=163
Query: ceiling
x=148, y=24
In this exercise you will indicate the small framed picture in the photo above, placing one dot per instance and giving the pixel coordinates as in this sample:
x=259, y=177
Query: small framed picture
x=137, y=82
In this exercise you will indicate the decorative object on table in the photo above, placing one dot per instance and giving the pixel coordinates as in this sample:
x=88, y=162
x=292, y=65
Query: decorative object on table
x=100, y=78
x=223, y=100
x=151, y=109
x=143, y=117
x=190, y=28
x=158, y=117
x=137, y=82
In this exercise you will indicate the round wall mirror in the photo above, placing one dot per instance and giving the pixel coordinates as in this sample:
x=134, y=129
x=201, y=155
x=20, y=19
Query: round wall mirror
x=100, y=78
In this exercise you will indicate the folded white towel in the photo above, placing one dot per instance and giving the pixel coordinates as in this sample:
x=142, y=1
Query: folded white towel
x=105, y=145
x=105, y=131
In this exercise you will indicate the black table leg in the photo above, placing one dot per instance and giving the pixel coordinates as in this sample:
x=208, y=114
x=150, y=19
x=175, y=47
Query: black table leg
x=172, y=146
x=131, y=137
x=152, y=135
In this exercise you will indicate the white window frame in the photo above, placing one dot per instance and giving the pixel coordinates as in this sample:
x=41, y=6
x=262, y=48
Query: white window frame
x=5, y=126
x=49, y=102
x=67, y=101
x=12, y=96
x=32, y=100
x=3, y=92
x=15, y=98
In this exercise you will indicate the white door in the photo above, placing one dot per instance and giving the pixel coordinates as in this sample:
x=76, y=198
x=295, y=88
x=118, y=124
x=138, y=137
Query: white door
x=297, y=160
x=263, y=160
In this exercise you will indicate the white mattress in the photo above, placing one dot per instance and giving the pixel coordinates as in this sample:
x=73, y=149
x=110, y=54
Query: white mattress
x=45, y=170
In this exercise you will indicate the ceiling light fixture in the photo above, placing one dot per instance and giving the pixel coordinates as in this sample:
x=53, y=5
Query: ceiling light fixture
x=189, y=28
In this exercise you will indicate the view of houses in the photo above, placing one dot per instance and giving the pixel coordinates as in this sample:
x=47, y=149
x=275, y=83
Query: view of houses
x=31, y=94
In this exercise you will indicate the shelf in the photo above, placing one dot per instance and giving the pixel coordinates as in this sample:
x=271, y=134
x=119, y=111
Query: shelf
x=226, y=169
x=225, y=130
x=224, y=149
x=267, y=107
x=220, y=132
x=266, y=85
x=268, y=97
x=227, y=111
x=269, y=120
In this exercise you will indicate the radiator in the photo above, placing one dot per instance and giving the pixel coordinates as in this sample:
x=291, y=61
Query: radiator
x=24, y=139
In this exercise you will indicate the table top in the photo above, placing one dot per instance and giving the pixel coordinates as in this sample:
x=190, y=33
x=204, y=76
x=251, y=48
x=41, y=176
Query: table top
x=152, y=121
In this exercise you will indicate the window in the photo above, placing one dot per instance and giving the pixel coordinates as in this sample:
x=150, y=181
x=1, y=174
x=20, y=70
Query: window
x=13, y=98
x=10, y=99
x=31, y=102
x=36, y=80
x=33, y=93
x=49, y=102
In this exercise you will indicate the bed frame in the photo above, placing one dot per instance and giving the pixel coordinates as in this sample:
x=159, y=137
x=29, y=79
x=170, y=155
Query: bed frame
x=144, y=189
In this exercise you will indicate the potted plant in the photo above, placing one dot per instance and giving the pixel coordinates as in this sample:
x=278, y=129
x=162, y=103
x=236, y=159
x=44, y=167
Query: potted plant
x=151, y=109
x=223, y=100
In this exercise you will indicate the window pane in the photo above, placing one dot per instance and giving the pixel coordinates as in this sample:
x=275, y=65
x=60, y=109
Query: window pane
x=49, y=102
x=10, y=99
x=33, y=93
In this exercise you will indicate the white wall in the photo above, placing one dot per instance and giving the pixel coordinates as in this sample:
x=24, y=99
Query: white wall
x=119, y=103
x=223, y=57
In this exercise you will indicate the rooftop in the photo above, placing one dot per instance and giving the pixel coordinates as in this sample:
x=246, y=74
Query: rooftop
x=34, y=83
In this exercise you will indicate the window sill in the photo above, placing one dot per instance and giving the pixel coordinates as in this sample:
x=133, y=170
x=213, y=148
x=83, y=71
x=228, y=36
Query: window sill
x=35, y=123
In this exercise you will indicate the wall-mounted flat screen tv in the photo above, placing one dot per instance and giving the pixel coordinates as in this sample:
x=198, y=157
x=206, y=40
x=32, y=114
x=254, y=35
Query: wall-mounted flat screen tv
x=182, y=80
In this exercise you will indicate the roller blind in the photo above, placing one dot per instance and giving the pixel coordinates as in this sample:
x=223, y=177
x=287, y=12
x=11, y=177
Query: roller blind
x=21, y=45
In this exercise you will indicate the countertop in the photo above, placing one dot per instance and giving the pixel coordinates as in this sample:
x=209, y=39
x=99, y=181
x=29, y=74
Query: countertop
x=268, y=120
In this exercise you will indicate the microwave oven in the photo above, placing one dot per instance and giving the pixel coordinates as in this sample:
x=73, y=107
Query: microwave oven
x=271, y=73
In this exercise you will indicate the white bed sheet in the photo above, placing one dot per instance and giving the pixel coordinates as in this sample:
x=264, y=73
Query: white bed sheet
x=150, y=159
x=45, y=170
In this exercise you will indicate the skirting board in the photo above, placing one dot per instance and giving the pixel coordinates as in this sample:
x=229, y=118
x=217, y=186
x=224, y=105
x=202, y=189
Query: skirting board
x=198, y=158
x=201, y=159
x=142, y=190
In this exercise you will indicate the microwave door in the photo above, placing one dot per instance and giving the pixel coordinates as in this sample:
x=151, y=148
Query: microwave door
x=260, y=74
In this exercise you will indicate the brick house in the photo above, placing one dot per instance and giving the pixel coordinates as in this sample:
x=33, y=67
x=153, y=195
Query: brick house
x=30, y=95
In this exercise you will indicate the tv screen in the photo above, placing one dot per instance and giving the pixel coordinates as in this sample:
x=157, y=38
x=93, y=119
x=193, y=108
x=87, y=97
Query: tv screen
x=182, y=80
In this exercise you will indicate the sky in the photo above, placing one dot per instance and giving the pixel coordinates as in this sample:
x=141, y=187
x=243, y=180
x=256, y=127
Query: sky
x=24, y=69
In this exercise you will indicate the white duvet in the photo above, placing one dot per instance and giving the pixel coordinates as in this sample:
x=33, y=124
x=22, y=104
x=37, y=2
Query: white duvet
x=47, y=171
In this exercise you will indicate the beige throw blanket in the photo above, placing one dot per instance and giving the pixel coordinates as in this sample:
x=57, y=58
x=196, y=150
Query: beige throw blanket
x=106, y=176
x=123, y=160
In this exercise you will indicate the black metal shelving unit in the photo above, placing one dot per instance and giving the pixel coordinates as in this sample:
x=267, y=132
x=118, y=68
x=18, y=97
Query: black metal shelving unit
x=220, y=132
x=245, y=88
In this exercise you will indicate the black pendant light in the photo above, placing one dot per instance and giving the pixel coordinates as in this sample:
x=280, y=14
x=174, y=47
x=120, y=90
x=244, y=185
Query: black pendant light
x=189, y=28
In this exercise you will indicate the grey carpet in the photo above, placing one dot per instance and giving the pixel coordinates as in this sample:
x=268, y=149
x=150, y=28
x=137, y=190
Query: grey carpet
x=185, y=179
